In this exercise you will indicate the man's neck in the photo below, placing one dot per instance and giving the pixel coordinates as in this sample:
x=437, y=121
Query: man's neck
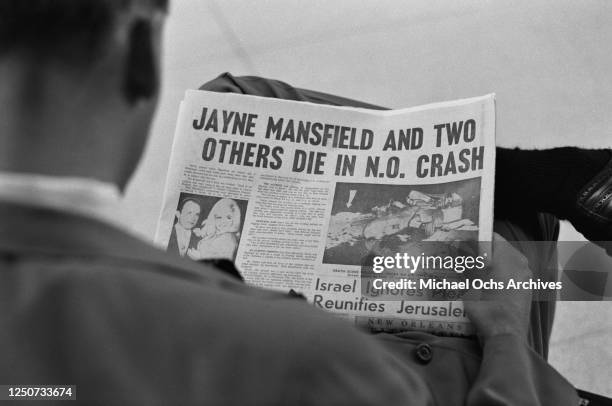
x=51, y=126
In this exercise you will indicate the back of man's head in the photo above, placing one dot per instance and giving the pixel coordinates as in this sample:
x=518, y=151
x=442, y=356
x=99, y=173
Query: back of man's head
x=80, y=75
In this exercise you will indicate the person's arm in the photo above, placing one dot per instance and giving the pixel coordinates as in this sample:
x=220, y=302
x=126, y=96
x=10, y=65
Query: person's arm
x=511, y=373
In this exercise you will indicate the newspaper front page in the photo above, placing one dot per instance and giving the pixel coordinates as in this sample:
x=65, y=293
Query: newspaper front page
x=302, y=196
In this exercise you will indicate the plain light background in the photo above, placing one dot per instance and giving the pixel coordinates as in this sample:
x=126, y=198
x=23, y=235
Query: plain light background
x=549, y=63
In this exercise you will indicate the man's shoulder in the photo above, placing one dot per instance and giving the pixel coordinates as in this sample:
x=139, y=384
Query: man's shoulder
x=165, y=291
x=130, y=308
x=281, y=344
x=191, y=295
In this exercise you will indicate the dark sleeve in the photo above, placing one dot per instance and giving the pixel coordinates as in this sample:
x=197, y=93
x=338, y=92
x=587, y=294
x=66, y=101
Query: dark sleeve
x=227, y=83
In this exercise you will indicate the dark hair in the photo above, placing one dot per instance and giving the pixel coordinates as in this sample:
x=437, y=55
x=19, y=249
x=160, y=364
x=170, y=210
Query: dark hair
x=183, y=202
x=73, y=31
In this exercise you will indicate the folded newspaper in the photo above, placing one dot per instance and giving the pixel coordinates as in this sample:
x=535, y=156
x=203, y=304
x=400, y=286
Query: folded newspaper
x=306, y=197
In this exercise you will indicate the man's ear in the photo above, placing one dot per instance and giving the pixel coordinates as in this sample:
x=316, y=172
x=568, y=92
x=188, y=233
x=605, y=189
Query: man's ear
x=141, y=80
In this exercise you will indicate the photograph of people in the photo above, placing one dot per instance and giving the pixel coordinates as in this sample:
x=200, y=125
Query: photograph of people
x=220, y=232
x=187, y=217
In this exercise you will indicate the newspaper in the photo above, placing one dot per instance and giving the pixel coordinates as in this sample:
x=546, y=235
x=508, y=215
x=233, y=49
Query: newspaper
x=300, y=195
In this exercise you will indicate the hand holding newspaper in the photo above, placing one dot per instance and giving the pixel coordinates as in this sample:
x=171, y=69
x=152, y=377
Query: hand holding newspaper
x=323, y=199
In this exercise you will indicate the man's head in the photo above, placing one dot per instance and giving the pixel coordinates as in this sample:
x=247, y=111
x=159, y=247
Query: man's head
x=79, y=80
x=188, y=214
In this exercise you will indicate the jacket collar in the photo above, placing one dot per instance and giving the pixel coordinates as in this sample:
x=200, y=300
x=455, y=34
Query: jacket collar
x=84, y=196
